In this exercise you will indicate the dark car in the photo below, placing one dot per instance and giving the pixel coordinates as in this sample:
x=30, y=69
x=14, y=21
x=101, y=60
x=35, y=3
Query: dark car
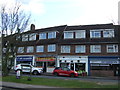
x=64, y=71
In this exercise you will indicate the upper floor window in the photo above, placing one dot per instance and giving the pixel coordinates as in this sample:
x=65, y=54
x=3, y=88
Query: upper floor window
x=30, y=49
x=68, y=35
x=80, y=49
x=20, y=50
x=80, y=34
x=51, y=35
x=25, y=37
x=95, y=48
x=32, y=36
x=40, y=48
x=95, y=33
x=108, y=33
x=42, y=36
x=51, y=48
x=18, y=37
x=65, y=49
x=112, y=48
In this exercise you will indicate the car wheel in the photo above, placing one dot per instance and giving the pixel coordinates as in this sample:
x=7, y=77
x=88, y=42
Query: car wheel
x=35, y=72
x=72, y=75
x=55, y=74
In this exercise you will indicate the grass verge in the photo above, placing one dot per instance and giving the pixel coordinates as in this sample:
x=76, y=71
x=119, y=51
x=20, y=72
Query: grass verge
x=57, y=82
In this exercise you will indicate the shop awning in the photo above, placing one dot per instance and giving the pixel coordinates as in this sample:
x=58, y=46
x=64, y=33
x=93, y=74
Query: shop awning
x=45, y=59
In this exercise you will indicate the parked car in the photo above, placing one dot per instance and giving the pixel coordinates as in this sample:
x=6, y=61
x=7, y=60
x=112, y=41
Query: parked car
x=64, y=71
x=25, y=68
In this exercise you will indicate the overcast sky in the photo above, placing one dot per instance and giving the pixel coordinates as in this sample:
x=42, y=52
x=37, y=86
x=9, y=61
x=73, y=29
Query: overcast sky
x=49, y=13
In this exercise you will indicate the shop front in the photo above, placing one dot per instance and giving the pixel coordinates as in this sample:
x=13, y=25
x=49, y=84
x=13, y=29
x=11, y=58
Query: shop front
x=47, y=63
x=75, y=63
x=104, y=65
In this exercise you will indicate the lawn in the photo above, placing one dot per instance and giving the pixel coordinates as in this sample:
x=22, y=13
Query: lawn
x=57, y=82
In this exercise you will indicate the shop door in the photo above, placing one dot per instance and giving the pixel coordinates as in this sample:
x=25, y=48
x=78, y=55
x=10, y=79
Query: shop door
x=44, y=67
x=72, y=66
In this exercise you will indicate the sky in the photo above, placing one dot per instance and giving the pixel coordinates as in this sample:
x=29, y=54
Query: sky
x=49, y=13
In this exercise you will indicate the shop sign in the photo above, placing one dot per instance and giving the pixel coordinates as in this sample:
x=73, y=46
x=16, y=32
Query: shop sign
x=45, y=59
x=24, y=58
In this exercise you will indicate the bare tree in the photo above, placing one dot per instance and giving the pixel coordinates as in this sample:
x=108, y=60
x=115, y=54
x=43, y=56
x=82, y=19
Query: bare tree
x=13, y=22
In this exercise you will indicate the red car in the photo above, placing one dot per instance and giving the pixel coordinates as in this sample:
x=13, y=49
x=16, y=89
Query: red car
x=64, y=71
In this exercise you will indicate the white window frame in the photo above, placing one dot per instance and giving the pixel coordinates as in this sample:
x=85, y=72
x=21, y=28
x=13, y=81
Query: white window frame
x=42, y=35
x=95, y=48
x=80, y=49
x=30, y=49
x=68, y=35
x=25, y=37
x=65, y=49
x=80, y=34
x=20, y=50
x=32, y=36
x=93, y=33
x=40, y=48
x=51, y=35
x=108, y=33
x=51, y=48
x=114, y=48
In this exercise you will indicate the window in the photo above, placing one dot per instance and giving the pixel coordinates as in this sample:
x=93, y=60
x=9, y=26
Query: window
x=30, y=49
x=18, y=38
x=51, y=35
x=25, y=37
x=95, y=33
x=108, y=33
x=32, y=36
x=95, y=48
x=42, y=36
x=51, y=48
x=80, y=49
x=20, y=50
x=112, y=48
x=40, y=48
x=65, y=49
x=68, y=35
x=80, y=34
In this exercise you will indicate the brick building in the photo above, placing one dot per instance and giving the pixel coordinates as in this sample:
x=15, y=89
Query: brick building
x=93, y=48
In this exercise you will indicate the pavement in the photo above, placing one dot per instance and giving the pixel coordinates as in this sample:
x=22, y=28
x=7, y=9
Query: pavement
x=22, y=86
x=28, y=86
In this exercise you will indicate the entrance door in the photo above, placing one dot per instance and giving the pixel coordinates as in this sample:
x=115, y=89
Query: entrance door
x=72, y=66
x=44, y=67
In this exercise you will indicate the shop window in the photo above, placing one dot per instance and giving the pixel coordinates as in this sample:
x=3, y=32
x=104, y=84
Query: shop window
x=80, y=34
x=25, y=37
x=42, y=36
x=107, y=33
x=39, y=64
x=51, y=64
x=68, y=35
x=30, y=49
x=112, y=48
x=51, y=35
x=95, y=48
x=32, y=36
x=80, y=49
x=65, y=49
x=95, y=33
x=40, y=48
x=20, y=50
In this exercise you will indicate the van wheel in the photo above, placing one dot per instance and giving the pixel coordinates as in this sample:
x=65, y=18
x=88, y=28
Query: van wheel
x=55, y=74
x=72, y=75
x=35, y=72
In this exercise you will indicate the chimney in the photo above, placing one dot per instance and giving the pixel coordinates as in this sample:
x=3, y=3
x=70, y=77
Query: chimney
x=32, y=27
